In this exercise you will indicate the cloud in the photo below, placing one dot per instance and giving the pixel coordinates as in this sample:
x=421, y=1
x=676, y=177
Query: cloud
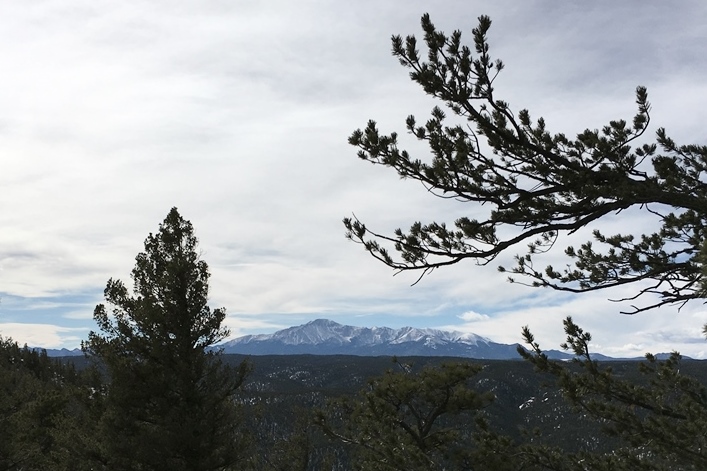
x=42, y=335
x=629, y=350
x=471, y=316
x=238, y=114
x=613, y=334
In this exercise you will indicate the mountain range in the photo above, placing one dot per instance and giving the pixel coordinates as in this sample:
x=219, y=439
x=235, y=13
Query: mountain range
x=326, y=337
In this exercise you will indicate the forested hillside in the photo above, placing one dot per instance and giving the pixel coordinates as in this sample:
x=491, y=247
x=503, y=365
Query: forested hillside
x=51, y=408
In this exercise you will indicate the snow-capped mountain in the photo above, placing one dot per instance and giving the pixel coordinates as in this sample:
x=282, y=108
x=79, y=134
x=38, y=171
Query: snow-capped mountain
x=326, y=337
x=52, y=352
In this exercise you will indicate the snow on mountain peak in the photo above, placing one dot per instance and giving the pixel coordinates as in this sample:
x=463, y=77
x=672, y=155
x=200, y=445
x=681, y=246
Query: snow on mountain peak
x=325, y=331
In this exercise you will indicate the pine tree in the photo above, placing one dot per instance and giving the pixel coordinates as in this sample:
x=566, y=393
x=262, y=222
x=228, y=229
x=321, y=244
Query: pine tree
x=170, y=399
x=35, y=403
x=535, y=185
x=409, y=420
x=655, y=419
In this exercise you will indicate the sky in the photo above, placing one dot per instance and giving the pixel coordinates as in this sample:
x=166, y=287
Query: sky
x=238, y=113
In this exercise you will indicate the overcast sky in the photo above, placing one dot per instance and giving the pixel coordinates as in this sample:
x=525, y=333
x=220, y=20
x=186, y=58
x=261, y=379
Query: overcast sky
x=238, y=113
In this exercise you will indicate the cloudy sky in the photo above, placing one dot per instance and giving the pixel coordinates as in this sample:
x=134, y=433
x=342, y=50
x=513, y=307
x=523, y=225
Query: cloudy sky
x=238, y=112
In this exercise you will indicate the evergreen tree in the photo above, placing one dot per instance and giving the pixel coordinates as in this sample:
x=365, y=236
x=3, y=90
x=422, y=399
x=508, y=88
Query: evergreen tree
x=658, y=421
x=36, y=395
x=169, y=403
x=409, y=420
x=288, y=443
x=536, y=185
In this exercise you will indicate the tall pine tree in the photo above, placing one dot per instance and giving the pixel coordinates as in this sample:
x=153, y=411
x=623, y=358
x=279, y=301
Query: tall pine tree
x=169, y=403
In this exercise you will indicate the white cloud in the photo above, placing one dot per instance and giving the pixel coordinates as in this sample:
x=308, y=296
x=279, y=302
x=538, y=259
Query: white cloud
x=44, y=335
x=238, y=114
x=471, y=316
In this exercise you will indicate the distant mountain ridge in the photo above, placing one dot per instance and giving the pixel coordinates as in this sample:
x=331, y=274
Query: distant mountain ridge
x=63, y=352
x=327, y=331
x=326, y=337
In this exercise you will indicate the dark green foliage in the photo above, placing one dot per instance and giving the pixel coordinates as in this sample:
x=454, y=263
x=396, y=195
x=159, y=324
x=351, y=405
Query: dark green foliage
x=37, y=400
x=401, y=420
x=528, y=426
x=169, y=403
x=537, y=185
x=23, y=407
x=659, y=419
x=286, y=439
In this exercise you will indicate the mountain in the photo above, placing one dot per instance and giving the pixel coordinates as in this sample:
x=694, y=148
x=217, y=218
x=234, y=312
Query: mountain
x=61, y=352
x=326, y=337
